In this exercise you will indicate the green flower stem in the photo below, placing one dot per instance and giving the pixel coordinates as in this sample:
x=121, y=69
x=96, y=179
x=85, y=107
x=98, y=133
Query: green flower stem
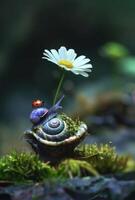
x=59, y=87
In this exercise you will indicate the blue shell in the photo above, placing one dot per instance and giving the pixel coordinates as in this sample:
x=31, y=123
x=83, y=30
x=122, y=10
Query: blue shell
x=37, y=114
x=54, y=126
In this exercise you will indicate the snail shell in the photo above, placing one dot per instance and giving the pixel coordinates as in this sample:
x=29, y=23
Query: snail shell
x=52, y=130
x=52, y=140
x=37, y=114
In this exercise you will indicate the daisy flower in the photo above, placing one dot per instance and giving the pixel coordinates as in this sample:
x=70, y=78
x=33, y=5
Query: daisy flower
x=68, y=60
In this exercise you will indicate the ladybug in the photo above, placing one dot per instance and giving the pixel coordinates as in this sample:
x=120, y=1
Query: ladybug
x=37, y=103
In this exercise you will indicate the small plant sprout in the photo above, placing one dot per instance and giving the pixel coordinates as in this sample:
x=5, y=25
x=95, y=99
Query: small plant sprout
x=68, y=60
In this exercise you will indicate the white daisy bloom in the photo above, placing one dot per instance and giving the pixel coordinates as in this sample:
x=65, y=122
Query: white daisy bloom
x=67, y=59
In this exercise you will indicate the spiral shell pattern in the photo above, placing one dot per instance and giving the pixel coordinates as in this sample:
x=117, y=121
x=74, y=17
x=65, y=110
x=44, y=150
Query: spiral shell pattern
x=53, y=130
x=54, y=126
x=52, y=139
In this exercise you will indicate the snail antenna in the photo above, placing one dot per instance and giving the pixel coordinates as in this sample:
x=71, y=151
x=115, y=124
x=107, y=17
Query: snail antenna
x=57, y=106
x=60, y=100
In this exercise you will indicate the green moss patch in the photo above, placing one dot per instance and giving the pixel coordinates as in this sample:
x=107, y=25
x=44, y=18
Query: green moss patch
x=103, y=158
x=75, y=168
x=23, y=167
x=88, y=160
x=72, y=125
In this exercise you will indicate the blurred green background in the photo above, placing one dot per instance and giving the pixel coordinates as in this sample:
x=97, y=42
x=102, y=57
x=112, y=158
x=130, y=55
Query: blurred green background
x=103, y=30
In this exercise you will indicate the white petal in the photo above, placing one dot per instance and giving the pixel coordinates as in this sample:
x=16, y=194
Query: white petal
x=82, y=62
x=75, y=72
x=78, y=59
x=49, y=54
x=88, y=70
x=82, y=70
x=46, y=54
x=55, y=54
x=84, y=74
x=62, y=53
x=48, y=58
x=71, y=55
x=81, y=73
x=84, y=66
x=51, y=60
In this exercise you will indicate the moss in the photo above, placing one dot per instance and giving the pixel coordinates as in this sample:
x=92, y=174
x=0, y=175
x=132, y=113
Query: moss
x=103, y=158
x=72, y=125
x=26, y=167
x=75, y=168
x=130, y=165
x=23, y=167
x=88, y=160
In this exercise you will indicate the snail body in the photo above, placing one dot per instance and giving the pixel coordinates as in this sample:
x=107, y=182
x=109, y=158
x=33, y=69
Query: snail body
x=51, y=137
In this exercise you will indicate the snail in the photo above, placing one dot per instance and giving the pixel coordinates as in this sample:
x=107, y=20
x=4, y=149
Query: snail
x=40, y=113
x=49, y=136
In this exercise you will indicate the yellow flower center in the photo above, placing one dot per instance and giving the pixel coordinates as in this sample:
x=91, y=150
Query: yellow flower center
x=66, y=63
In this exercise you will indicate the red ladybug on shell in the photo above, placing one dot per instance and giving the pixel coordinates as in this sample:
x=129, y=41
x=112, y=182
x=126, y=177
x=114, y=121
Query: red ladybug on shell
x=37, y=103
